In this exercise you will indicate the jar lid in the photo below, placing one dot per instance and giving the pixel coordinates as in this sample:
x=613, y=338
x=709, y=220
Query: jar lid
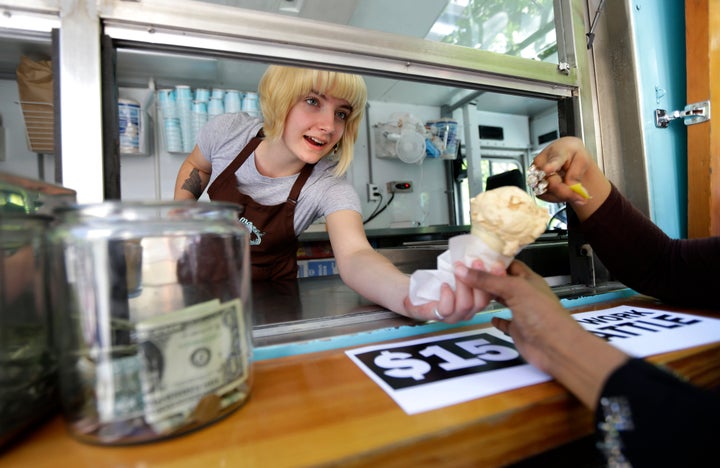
x=152, y=210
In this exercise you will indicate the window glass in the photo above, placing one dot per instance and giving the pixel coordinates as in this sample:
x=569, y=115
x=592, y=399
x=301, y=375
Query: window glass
x=522, y=28
x=494, y=166
x=490, y=167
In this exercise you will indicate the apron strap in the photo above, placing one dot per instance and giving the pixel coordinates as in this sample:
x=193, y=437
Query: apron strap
x=299, y=182
x=230, y=170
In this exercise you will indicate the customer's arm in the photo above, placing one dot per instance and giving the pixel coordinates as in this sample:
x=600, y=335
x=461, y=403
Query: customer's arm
x=644, y=414
x=656, y=419
x=635, y=250
x=639, y=254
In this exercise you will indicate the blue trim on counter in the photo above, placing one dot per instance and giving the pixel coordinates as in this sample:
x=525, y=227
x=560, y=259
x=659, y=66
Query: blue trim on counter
x=394, y=333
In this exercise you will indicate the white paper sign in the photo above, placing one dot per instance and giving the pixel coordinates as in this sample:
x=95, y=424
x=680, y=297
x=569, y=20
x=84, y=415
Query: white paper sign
x=433, y=372
x=643, y=332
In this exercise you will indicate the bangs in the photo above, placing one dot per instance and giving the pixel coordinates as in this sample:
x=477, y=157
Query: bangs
x=282, y=87
x=340, y=85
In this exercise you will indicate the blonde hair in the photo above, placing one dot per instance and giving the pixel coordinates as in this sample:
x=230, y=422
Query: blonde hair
x=282, y=87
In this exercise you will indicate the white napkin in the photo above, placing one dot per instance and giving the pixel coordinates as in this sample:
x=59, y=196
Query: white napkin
x=425, y=284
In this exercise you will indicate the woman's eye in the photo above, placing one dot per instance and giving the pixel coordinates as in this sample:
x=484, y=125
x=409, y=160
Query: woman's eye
x=312, y=101
x=342, y=115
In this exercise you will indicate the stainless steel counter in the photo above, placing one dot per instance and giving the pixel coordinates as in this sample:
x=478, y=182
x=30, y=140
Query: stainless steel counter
x=321, y=308
x=324, y=307
x=314, y=308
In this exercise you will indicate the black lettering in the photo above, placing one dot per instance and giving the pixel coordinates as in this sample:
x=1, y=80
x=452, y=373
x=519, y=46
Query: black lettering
x=606, y=336
x=674, y=319
x=599, y=320
x=635, y=325
x=632, y=313
x=658, y=324
x=615, y=328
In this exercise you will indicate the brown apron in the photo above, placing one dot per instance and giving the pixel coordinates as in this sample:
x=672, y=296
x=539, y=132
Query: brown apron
x=273, y=244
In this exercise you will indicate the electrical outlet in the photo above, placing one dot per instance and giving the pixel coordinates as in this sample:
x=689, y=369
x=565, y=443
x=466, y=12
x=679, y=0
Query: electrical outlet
x=373, y=192
x=399, y=186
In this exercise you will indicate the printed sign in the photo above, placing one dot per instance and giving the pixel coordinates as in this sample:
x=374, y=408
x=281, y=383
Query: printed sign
x=644, y=332
x=440, y=360
x=433, y=372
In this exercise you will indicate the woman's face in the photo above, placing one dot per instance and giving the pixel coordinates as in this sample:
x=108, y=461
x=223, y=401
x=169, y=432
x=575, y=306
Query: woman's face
x=314, y=125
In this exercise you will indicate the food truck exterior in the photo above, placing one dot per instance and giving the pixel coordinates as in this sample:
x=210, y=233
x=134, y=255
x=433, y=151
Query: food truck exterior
x=605, y=80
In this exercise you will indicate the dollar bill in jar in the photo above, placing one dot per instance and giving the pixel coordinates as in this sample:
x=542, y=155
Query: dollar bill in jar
x=187, y=355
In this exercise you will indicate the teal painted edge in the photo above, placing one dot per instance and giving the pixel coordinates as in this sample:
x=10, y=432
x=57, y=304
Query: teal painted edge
x=387, y=334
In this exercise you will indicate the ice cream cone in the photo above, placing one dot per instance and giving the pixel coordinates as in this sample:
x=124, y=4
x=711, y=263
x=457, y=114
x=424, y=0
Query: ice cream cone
x=467, y=248
x=506, y=219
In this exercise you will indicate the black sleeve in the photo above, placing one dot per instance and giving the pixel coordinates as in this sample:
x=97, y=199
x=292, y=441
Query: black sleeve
x=643, y=257
x=655, y=419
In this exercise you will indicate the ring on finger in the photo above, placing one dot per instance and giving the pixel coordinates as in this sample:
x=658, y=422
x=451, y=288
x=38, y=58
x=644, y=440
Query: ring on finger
x=437, y=313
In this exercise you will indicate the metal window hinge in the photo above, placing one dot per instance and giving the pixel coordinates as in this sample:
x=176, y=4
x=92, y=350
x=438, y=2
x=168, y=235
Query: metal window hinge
x=692, y=114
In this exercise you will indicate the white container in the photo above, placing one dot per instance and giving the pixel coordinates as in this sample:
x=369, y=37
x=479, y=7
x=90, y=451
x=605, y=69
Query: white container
x=232, y=101
x=443, y=136
x=129, y=121
x=202, y=94
x=250, y=104
x=215, y=107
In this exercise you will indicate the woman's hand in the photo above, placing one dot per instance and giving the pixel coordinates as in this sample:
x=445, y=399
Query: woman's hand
x=455, y=306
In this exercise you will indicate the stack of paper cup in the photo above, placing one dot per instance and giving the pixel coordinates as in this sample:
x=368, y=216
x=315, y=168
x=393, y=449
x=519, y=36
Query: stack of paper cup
x=171, y=123
x=199, y=116
x=250, y=104
x=173, y=135
x=215, y=107
x=202, y=94
x=166, y=101
x=183, y=101
x=232, y=100
x=184, y=111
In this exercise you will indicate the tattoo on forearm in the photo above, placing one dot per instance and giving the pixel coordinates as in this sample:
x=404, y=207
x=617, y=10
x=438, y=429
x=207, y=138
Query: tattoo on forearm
x=193, y=184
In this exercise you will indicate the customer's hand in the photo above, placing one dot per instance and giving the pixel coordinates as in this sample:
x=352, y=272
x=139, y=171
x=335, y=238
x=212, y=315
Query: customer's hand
x=545, y=333
x=538, y=318
x=567, y=162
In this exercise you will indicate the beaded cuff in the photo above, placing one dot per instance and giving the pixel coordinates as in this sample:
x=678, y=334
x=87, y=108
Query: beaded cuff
x=617, y=417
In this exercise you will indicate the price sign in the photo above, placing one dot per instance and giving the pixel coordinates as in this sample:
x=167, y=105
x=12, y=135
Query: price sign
x=432, y=372
x=422, y=363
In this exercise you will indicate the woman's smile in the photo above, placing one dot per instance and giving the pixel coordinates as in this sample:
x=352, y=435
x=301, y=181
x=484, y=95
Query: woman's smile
x=315, y=141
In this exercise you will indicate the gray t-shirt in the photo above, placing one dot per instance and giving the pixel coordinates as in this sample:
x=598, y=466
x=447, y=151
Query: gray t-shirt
x=222, y=139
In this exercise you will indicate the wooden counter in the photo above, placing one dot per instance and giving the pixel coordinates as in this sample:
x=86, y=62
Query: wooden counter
x=321, y=409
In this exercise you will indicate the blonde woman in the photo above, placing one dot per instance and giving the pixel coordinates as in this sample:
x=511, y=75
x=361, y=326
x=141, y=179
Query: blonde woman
x=287, y=170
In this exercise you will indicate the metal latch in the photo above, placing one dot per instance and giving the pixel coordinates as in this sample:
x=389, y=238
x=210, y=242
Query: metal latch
x=692, y=114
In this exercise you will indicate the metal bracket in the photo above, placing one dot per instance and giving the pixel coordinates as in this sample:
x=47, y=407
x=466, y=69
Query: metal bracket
x=692, y=114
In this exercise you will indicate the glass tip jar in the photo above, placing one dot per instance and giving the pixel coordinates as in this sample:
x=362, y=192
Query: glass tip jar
x=151, y=304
